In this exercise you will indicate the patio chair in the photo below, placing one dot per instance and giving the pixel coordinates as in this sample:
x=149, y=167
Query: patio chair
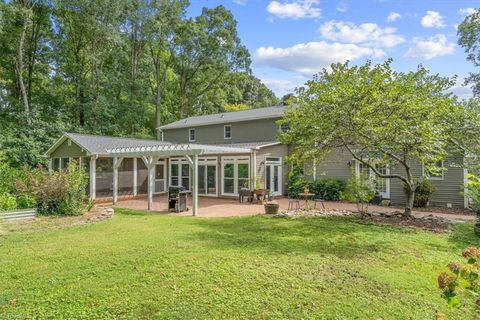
x=245, y=194
x=319, y=199
x=293, y=203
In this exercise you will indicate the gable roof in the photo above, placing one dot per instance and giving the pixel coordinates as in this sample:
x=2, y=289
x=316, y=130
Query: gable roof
x=101, y=144
x=227, y=117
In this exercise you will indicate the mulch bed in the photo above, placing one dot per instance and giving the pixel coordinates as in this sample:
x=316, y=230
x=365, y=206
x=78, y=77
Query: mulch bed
x=453, y=211
x=430, y=223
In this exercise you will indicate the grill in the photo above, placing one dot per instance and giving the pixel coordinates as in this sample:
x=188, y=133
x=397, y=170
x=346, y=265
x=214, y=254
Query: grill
x=177, y=199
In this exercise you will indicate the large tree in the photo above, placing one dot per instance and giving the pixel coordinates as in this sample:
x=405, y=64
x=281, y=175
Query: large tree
x=469, y=39
x=381, y=117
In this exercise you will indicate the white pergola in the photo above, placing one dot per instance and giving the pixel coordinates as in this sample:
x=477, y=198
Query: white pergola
x=151, y=154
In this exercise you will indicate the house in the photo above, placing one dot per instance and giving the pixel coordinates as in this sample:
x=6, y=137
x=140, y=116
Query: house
x=220, y=154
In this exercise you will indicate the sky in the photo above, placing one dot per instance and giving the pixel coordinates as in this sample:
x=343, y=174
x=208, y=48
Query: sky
x=291, y=40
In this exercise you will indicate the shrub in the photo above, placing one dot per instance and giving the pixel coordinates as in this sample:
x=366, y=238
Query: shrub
x=423, y=193
x=7, y=201
x=57, y=192
x=328, y=189
x=360, y=190
x=473, y=192
x=461, y=284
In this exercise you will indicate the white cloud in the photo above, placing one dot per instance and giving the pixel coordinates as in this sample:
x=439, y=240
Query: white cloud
x=430, y=48
x=393, y=16
x=367, y=33
x=342, y=7
x=296, y=9
x=466, y=11
x=432, y=19
x=280, y=86
x=309, y=58
x=240, y=2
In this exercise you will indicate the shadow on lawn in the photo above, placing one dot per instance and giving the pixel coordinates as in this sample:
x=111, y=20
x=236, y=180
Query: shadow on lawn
x=463, y=236
x=342, y=237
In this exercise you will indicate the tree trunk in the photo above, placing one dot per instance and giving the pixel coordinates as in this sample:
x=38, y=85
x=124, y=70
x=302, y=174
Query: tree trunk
x=409, y=204
x=19, y=69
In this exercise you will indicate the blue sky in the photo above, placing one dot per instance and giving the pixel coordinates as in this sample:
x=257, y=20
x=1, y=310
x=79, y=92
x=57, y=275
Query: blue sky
x=290, y=40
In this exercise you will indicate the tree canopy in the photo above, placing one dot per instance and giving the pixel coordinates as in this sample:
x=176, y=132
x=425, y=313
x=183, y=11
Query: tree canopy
x=120, y=67
x=381, y=116
x=469, y=39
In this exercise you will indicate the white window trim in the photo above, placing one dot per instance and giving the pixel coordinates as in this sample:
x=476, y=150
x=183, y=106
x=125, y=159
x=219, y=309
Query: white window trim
x=180, y=162
x=387, y=183
x=190, y=135
x=212, y=161
x=434, y=178
x=280, y=173
x=164, y=162
x=235, y=161
x=280, y=128
x=225, y=131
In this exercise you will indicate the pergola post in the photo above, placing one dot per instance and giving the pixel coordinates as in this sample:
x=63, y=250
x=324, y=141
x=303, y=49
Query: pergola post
x=150, y=163
x=135, y=177
x=195, y=186
x=93, y=168
x=116, y=164
x=254, y=169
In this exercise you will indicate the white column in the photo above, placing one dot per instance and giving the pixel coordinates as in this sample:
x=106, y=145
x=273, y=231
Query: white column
x=254, y=169
x=135, y=173
x=151, y=181
x=195, y=186
x=116, y=164
x=93, y=168
x=50, y=165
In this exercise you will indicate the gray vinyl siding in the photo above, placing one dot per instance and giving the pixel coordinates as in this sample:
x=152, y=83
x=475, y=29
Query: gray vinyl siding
x=68, y=151
x=246, y=131
x=449, y=190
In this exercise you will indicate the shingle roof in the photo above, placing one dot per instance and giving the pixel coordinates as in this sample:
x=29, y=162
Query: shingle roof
x=100, y=144
x=227, y=117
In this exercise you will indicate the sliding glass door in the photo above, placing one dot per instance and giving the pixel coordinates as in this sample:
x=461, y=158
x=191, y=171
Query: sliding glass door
x=235, y=174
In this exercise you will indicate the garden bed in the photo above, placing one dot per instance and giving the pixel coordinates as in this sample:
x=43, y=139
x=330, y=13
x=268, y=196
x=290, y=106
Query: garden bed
x=429, y=222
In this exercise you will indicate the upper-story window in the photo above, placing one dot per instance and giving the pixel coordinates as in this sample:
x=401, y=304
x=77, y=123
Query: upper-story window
x=191, y=134
x=438, y=174
x=227, y=131
x=284, y=127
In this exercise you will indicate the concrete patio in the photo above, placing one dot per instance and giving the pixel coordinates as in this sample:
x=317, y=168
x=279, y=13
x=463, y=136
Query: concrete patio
x=220, y=207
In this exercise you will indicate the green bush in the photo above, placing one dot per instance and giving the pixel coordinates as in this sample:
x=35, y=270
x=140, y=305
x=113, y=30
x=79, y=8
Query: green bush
x=7, y=202
x=473, y=192
x=360, y=190
x=423, y=193
x=328, y=189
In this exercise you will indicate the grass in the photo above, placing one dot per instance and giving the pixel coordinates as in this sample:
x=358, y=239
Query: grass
x=143, y=266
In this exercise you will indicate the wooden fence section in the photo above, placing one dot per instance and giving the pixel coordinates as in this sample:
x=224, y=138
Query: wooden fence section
x=18, y=214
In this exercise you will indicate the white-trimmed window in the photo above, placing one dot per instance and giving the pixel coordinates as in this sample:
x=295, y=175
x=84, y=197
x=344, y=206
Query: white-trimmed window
x=227, y=131
x=180, y=173
x=191, y=134
x=439, y=171
x=235, y=174
x=382, y=185
x=56, y=163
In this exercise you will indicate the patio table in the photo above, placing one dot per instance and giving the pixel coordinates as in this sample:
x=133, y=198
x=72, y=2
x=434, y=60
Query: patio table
x=306, y=197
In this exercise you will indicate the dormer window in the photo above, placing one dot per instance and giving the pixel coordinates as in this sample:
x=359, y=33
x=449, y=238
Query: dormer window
x=191, y=134
x=227, y=131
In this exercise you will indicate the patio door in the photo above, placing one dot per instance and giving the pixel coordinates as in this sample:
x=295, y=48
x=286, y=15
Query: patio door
x=273, y=175
x=160, y=177
x=382, y=185
x=207, y=179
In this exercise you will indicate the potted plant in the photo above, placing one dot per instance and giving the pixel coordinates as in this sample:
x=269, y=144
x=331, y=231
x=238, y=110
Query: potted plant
x=260, y=193
x=271, y=207
x=270, y=195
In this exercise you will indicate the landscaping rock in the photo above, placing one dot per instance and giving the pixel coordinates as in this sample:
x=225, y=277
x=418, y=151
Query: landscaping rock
x=99, y=213
x=313, y=213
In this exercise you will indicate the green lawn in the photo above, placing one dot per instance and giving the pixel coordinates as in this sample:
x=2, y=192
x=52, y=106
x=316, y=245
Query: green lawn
x=143, y=266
